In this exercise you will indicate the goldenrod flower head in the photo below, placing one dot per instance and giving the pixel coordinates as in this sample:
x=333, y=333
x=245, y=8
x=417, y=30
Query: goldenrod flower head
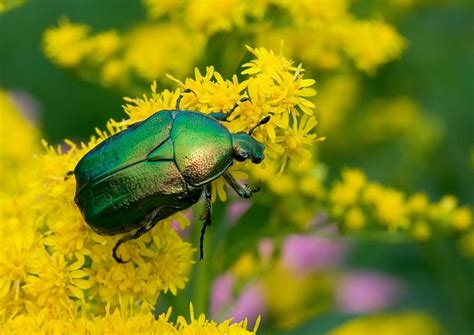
x=122, y=320
x=357, y=203
x=372, y=44
x=417, y=203
x=201, y=325
x=24, y=137
x=347, y=191
x=421, y=231
x=391, y=324
x=158, y=8
x=66, y=44
x=153, y=50
x=461, y=219
x=147, y=51
x=355, y=219
x=315, y=10
x=215, y=15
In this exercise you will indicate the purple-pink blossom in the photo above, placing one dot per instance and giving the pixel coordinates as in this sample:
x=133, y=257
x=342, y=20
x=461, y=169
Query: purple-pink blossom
x=305, y=253
x=363, y=292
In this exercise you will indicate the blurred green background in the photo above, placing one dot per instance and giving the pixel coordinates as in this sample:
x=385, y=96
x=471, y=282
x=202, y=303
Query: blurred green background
x=436, y=70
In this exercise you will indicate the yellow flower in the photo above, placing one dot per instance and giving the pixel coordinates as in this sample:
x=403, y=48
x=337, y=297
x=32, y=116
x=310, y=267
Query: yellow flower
x=461, y=219
x=59, y=284
x=391, y=324
x=245, y=266
x=355, y=219
x=122, y=320
x=66, y=44
x=371, y=44
x=158, y=8
x=151, y=51
x=417, y=203
x=16, y=147
x=299, y=294
x=390, y=209
x=347, y=191
x=421, y=231
x=200, y=325
x=215, y=15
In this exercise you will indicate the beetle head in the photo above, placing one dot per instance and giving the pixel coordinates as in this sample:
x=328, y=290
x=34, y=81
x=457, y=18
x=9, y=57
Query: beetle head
x=245, y=146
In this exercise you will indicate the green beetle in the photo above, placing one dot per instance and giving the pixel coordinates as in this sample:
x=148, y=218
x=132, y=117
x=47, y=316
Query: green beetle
x=158, y=167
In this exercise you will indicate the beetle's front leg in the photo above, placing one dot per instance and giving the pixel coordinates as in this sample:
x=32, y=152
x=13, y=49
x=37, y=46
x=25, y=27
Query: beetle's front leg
x=68, y=174
x=207, y=218
x=178, y=101
x=242, y=190
x=221, y=116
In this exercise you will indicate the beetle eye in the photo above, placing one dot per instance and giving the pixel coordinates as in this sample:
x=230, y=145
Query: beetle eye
x=241, y=156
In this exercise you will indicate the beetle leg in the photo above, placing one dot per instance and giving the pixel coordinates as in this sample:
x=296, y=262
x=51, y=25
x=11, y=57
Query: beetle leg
x=178, y=101
x=68, y=174
x=151, y=220
x=244, y=191
x=207, y=218
x=221, y=116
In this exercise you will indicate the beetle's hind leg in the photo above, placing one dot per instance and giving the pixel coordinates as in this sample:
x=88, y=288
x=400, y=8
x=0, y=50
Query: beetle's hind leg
x=178, y=101
x=206, y=217
x=150, y=221
x=244, y=191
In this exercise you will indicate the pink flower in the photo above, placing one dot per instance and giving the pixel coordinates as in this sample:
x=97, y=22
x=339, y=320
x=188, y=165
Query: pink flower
x=250, y=304
x=221, y=294
x=236, y=209
x=362, y=292
x=266, y=247
x=305, y=253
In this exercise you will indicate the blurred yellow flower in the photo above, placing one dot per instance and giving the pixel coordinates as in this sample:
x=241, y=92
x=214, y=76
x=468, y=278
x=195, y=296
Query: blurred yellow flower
x=25, y=139
x=391, y=324
x=355, y=219
x=67, y=44
x=356, y=201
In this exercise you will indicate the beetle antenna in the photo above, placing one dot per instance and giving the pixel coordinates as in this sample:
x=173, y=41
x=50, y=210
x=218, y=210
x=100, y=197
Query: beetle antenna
x=261, y=122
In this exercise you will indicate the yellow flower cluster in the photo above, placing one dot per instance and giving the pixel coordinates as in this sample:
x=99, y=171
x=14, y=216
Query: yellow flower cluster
x=25, y=137
x=320, y=33
x=358, y=203
x=393, y=324
x=54, y=265
x=124, y=321
x=148, y=51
